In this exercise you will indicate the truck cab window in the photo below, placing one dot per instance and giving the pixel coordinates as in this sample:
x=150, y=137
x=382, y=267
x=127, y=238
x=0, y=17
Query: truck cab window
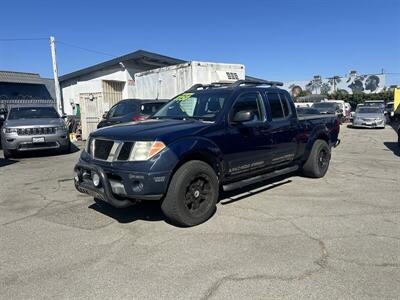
x=275, y=106
x=249, y=102
x=285, y=105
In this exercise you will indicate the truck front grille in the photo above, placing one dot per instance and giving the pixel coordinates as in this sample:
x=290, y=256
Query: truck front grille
x=110, y=150
x=36, y=131
x=125, y=151
x=102, y=148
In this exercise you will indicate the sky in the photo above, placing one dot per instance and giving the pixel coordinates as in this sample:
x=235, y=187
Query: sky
x=275, y=40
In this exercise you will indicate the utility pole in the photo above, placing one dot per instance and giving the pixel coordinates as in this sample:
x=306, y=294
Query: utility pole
x=55, y=73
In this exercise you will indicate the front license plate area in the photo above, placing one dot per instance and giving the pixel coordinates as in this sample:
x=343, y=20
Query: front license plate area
x=38, y=139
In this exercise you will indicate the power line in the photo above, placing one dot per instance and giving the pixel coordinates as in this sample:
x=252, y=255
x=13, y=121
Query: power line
x=58, y=42
x=23, y=39
x=85, y=49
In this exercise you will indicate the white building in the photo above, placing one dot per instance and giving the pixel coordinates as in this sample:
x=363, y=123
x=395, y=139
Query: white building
x=95, y=89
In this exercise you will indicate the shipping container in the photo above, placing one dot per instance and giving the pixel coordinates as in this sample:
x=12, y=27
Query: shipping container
x=167, y=82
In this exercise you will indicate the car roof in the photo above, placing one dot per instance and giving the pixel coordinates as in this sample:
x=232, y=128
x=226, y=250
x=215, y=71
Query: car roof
x=144, y=100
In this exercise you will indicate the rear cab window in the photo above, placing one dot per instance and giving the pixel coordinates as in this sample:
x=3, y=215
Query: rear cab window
x=279, y=106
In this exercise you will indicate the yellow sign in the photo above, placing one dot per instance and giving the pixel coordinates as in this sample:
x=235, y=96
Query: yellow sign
x=396, y=105
x=184, y=97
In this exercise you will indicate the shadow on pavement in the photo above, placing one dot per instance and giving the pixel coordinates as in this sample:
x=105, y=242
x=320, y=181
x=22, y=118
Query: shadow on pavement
x=151, y=210
x=7, y=162
x=146, y=210
x=394, y=147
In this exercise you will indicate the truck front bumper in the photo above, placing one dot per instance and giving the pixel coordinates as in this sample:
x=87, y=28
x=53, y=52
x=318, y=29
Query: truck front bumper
x=118, y=188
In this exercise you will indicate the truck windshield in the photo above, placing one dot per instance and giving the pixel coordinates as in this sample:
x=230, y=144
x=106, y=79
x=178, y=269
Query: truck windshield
x=204, y=106
x=33, y=113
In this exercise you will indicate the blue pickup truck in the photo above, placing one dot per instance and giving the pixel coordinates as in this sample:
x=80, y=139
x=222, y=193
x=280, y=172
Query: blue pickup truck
x=210, y=138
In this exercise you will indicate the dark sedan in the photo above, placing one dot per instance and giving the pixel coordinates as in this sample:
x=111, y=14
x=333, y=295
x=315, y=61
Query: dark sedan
x=130, y=110
x=307, y=111
x=329, y=108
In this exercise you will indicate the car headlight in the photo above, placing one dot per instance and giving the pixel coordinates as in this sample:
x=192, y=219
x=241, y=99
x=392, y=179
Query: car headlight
x=62, y=128
x=145, y=150
x=10, y=130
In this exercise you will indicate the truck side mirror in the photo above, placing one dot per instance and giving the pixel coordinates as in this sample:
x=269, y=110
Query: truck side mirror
x=2, y=117
x=243, y=116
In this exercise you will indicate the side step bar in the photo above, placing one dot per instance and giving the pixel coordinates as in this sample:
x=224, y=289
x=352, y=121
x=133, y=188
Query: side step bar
x=248, y=181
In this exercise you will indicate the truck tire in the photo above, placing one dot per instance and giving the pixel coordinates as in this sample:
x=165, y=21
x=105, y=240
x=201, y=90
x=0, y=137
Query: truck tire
x=317, y=163
x=192, y=194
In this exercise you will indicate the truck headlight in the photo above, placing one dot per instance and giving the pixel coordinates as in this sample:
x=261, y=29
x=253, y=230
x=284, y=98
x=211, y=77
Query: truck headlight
x=10, y=130
x=145, y=150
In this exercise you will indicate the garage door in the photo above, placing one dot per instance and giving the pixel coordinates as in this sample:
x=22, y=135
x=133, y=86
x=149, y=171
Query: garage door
x=112, y=91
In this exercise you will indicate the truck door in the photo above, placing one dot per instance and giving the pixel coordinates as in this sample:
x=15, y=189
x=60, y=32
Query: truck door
x=243, y=145
x=284, y=127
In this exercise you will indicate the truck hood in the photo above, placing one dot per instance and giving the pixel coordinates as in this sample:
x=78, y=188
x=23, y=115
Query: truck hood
x=165, y=130
x=34, y=123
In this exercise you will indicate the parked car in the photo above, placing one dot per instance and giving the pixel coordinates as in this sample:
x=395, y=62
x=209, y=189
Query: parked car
x=205, y=139
x=3, y=114
x=389, y=111
x=369, y=116
x=32, y=128
x=329, y=108
x=307, y=111
x=130, y=110
x=342, y=107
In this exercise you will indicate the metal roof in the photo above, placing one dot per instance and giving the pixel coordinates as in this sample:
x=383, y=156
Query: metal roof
x=140, y=56
x=20, y=77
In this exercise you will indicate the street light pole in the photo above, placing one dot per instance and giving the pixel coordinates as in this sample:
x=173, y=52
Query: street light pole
x=60, y=106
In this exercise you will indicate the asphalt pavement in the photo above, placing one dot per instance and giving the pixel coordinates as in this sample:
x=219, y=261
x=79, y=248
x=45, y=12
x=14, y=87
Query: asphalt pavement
x=332, y=238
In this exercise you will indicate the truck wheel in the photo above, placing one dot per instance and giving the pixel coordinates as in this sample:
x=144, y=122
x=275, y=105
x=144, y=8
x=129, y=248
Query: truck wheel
x=192, y=194
x=317, y=163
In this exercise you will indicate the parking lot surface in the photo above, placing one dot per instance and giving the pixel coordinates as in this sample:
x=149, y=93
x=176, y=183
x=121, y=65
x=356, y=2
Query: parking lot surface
x=335, y=237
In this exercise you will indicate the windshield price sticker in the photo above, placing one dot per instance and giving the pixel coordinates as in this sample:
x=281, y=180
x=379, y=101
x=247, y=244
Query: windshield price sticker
x=184, y=96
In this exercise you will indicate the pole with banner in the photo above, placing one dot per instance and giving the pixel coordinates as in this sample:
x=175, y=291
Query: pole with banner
x=55, y=73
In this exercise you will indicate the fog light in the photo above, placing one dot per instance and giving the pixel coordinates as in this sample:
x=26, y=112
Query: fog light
x=96, y=179
x=76, y=177
x=137, y=186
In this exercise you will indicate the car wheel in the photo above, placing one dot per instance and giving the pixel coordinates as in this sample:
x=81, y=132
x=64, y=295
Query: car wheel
x=317, y=163
x=66, y=149
x=192, y=194
x=7, y=153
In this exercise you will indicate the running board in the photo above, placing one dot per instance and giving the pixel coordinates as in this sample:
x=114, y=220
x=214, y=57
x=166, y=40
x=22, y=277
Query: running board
x=248, y=181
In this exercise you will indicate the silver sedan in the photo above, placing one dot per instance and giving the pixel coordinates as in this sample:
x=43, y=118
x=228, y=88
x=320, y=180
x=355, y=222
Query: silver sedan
x=369, y=117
